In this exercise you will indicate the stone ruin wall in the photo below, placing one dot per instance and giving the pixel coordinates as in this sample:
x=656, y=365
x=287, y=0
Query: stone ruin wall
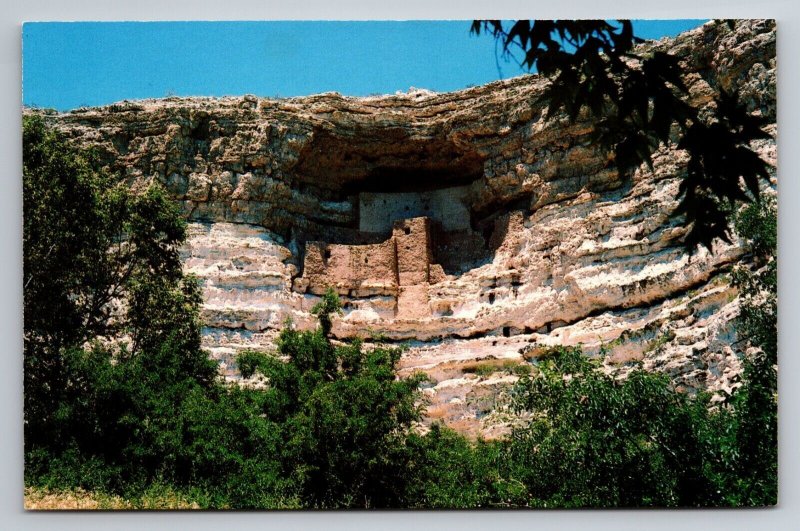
x=399, y=269
x=351, y=270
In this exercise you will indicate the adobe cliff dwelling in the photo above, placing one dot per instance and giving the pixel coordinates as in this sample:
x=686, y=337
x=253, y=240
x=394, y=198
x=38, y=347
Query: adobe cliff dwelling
x=464, y=225
x=400, y=268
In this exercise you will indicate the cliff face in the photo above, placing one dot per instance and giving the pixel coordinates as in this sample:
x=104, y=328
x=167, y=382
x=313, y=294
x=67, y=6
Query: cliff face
x=463, y=223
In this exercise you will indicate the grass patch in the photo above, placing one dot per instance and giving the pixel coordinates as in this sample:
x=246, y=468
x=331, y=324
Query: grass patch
x=659, y=342
x=156, y=497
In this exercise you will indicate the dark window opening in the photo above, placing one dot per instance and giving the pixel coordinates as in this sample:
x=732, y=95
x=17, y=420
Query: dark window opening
x=506, y=331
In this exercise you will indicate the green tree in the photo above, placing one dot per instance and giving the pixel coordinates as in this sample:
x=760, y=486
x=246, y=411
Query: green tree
x=758, y=282
x=344, y=413
x=101, y=264
x=450, y=471
x=753, y=453
x=637, y=98
x=599, y=441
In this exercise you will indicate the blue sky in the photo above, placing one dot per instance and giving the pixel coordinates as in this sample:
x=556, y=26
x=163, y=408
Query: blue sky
x=72, y=64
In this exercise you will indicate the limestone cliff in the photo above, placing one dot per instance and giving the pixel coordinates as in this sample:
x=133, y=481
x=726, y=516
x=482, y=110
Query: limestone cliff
x=464, y=224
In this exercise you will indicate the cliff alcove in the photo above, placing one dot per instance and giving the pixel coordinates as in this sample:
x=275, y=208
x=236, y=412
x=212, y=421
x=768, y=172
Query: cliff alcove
x=386, y=175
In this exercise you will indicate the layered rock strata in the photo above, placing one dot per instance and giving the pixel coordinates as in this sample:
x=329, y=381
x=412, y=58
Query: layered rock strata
x=522, y=234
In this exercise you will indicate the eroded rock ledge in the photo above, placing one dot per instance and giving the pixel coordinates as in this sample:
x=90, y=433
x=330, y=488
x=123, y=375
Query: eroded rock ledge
x=521, y=233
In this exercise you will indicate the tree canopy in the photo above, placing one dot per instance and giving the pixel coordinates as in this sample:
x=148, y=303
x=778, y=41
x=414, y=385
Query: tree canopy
x=638, y=101
x=100, y=263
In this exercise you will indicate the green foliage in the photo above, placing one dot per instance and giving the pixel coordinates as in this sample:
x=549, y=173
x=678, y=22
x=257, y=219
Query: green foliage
x=598, y=441
x=637, y=100
x=99, y=262
x=450, y=471
x=343, y=414
x=752, y=477
x=250, y=361
x=102, y=263
x=328, y=306
x=758, y=225
x=481, y=369
x=595, y=440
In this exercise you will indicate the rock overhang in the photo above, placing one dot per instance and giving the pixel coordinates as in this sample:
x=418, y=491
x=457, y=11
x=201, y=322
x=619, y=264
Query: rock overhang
x=563, y=251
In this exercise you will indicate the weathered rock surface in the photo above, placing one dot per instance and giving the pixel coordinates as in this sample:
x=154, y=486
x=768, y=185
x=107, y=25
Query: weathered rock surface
x=534, y=239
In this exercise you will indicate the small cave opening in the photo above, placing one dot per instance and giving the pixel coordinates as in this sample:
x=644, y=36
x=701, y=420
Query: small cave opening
x=201, y=131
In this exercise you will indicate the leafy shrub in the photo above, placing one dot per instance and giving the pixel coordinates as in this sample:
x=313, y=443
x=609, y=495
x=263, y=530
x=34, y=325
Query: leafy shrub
x=343, y=413
x=598, y=441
